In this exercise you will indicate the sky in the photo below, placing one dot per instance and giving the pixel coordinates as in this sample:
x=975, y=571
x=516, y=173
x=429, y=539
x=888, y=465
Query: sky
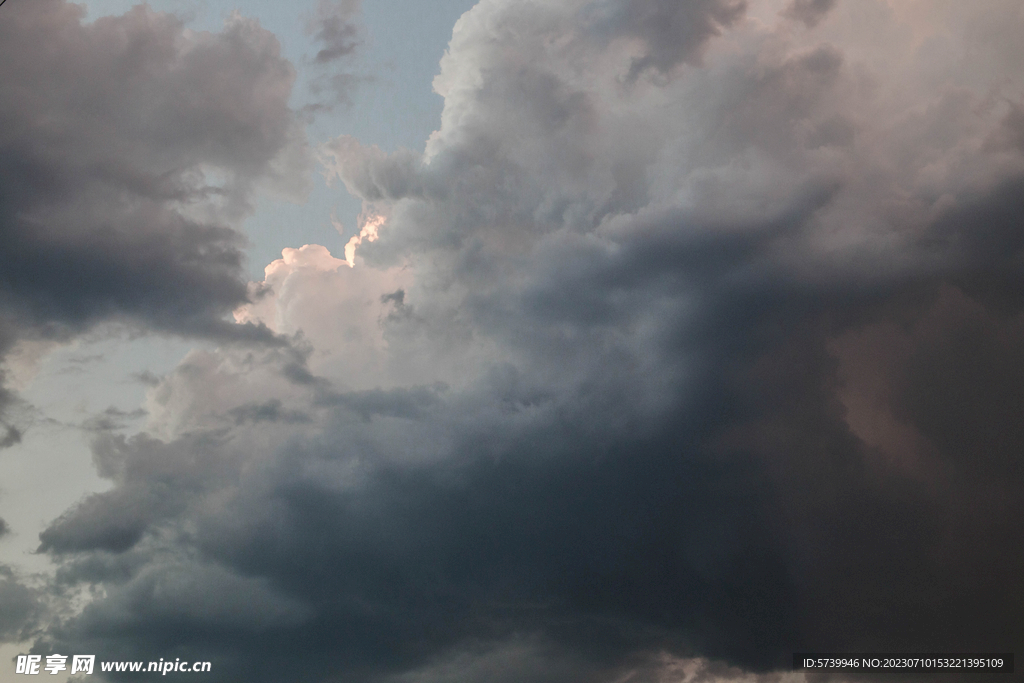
x=547, y=341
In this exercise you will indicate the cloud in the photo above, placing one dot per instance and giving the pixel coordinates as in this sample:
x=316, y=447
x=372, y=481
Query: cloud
x=146, y=378
x=12, y=436
x=268, y=411
x=112, y=419
x=154, y=480
x=810, y=12
x=669, y=360
x=338, y=35
x=131, y=149
x=21, y=607
x=672, y=33
x=334, y=29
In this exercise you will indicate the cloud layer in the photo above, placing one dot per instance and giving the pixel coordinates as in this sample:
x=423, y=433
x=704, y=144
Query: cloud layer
x=130, y=148
x=694, y=337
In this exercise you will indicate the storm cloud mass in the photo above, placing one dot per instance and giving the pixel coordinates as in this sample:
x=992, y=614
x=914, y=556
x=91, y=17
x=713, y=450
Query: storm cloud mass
x=130, y=148
x=694, y=337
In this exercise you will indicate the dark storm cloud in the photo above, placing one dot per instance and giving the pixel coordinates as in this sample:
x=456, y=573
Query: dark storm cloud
x=763, y=399
x=155, y=482
x=745, y=521
x=20, y=607
x=128, y=153
x=534, y=540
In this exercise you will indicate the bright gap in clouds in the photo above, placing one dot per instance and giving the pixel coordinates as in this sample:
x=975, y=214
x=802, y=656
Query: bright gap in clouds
x=368, y=232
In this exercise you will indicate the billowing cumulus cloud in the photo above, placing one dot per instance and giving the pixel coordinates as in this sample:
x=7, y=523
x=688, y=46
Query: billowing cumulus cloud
x=694, y=337
x=129, y=152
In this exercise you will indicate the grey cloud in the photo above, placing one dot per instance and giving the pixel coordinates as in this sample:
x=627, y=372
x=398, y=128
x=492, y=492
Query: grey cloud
x=397, y=297
x=268, y=411
x=518, y=659
x=762, y=109
x=810, y=12
x=1012, y=134
x=106, y=212
x=11, y=437
x=334, y=28
x=112, y=418
x=763, y=398
x=4, y=529
x=602, y=531
x=114, y=522
x=673, y=32
x=407, y=403
x=486, y=178
x=198, y=594
x=996, y=239
x=179, y=597
x=84, y=360
x=11, y=433
x=21, y=607
x=336, y=31
x=147, y=378
x=155, y=481
x=370, y=173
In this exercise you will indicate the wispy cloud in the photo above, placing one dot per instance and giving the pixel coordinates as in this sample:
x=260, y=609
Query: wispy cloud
x=337, y=34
